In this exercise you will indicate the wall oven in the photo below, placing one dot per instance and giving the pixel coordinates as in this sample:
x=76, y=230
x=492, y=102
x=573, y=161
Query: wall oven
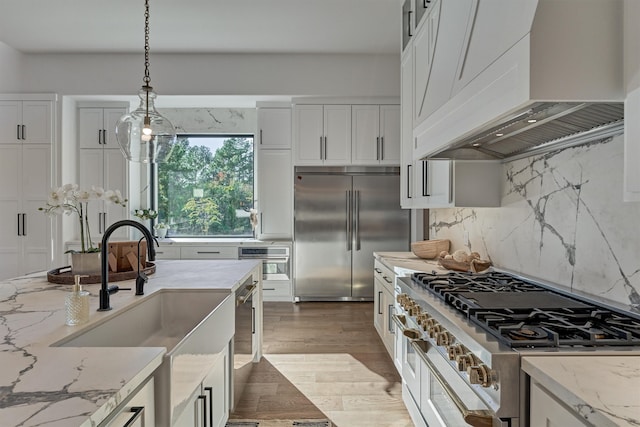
x=275, y=261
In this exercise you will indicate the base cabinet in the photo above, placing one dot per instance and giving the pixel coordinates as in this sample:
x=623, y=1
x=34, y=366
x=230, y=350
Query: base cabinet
x=384, y=280
x=546, y=410
x=209, y=404
x=138, y=411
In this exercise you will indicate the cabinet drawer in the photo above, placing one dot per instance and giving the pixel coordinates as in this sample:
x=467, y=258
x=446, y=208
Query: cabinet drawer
x=168, y=252
x=209, y=252
x=276, y=290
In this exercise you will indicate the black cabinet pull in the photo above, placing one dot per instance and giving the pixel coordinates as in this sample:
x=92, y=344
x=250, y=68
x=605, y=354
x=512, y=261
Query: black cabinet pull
x=137, y=411
x=99, y=136
x=379, y=300
x=24, y=224
x=104, y=136
x=253, y=320
x=382, y=148
x=409, y=23
x=204, y=408
x=321, y=147
x=260, y=136
x=19, y=231
x=17, y=131
x=409, y=182
x=24, y=132
x=210, y=391
x=425, y=179
x=378, y=148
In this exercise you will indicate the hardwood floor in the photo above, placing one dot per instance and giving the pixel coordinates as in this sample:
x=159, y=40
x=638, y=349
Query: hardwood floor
x=323, y=360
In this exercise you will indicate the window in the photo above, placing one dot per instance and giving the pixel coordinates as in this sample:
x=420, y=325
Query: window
x=205, y=188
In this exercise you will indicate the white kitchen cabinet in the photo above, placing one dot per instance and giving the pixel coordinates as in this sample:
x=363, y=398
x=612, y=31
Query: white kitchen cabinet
x=137, y=411
x=274, y=128
x=408, y=18
x=29, y=121
x=546, y=410
x=102, y=164
x=97, y=126
x=423, y=51
x=275, y=194
x=209, y=252
x=457, y=183
x=375, y=134
x=406, y=130
x=25, y=232
x=209, y=404
x=384, y=280
x=322, y=134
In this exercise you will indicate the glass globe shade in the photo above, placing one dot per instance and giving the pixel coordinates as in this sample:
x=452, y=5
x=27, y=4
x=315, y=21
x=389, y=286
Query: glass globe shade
x=145, y=141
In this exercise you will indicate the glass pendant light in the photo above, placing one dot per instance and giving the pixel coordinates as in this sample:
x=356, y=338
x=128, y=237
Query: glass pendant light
x=144, y=135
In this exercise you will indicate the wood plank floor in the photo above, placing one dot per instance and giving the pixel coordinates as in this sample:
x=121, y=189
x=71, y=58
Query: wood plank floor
x=323, y=360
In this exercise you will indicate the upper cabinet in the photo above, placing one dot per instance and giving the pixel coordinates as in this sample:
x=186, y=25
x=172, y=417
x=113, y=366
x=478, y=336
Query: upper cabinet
x=274, y=128
x=26, y=121
x=375, y=134
x=407, y=23
x=274, y=199
x=322, y=134
x=97, y=127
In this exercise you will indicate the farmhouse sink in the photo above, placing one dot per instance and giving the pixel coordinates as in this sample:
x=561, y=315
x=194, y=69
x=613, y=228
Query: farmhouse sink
x=193, y=325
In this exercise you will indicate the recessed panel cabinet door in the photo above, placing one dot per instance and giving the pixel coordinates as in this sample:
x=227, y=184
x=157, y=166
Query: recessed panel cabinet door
x=10, y=118
x=90, y=125
x=275, y=194
x=390, y=134
x=37, y=121
x=308, y=134
x=10, y=241
x=365, y=134
x=337, y=133
x=115, y=178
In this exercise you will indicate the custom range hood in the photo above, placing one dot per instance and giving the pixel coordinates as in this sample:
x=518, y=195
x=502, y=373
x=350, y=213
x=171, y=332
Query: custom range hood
x=558, y=84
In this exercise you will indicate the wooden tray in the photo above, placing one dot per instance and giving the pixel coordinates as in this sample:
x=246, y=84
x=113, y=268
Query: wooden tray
x=63, y=275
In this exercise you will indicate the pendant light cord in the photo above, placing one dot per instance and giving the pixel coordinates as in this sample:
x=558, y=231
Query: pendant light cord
x=146, y=78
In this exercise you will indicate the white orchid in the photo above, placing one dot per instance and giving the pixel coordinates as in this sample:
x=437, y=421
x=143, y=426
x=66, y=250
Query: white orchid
x=70, y=199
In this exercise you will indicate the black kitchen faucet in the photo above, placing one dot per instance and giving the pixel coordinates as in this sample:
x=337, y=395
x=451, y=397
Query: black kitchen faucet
x=107, y=290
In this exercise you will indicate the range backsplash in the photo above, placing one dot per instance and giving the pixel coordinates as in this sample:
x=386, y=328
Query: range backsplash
x=562, y=219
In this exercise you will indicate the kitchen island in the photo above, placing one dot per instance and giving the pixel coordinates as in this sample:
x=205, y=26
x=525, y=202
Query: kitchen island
x=81, y=386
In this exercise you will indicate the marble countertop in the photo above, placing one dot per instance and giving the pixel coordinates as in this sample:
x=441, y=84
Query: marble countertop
x=56, y=386
x=604, y=390
x=405, y=263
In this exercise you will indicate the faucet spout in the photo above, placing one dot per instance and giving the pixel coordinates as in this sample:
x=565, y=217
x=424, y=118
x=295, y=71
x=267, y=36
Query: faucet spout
x=105, y=289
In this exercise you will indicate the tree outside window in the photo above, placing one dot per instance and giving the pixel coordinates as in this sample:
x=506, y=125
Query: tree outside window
x=206, y=186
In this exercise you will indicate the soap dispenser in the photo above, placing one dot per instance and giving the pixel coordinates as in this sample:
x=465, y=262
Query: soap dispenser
x=77, y=304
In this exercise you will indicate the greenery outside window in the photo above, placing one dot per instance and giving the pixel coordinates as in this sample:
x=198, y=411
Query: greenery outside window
x=205, y=189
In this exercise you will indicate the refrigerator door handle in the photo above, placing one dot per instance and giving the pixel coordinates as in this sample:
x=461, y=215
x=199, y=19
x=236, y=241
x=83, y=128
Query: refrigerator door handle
x=356, y=196
x=349, y=220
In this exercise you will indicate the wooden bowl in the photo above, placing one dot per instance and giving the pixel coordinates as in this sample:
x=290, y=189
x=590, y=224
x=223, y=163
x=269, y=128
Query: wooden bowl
x=430, y=249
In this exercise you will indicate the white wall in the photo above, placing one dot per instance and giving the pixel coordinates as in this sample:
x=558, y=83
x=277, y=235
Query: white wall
x=223, y=74
x=11, y=63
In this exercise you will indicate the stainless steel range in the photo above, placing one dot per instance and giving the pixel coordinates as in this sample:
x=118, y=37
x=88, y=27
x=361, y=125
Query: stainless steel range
x=460, y=337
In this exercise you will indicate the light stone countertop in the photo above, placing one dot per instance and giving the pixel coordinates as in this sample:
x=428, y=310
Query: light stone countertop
x=604, y=390
x=405, y=263
x=57, y=386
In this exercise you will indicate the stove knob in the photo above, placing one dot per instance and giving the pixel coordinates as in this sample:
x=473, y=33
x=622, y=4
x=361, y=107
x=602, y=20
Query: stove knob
x=434, y=330
x=415, y=310
x=465, y=361
x=444, y=338
x=455, y=351
x=482, y=375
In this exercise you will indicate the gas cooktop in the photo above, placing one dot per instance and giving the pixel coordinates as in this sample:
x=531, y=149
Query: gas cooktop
x=521, y=313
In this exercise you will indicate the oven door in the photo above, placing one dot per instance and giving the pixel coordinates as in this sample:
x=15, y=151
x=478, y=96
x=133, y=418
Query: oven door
x=446, y=400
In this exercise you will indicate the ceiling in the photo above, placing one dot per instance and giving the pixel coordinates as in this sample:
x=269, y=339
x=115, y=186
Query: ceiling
x=202, y=26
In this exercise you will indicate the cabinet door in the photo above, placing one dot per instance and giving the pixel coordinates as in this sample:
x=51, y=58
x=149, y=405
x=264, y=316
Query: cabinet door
x=390, y=134
x=423, y=44
x=365, y=135
x=90, y=126
x=10, y=119
x=139, y=410
x=115, y=178
x=308, y=134
x=36, y=178
x=433, y=183
x=378, y=313
x=91, y=167
x=274, y=127
x=215, y=388
x=37, y=121
x=337, y=134
x=406, y=130
x=10, y=197
x=275, y=199
x=110, y=118
x=547, y=411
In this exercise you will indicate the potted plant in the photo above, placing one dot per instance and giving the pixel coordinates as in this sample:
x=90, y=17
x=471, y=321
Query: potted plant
x=70, y=199
x=161, y=230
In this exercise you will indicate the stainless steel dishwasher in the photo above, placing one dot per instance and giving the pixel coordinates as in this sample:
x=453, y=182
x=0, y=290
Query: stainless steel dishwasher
x=243, y=340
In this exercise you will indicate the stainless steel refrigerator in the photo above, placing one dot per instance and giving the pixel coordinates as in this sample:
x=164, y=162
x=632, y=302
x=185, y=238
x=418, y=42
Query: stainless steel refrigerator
x=342, y=216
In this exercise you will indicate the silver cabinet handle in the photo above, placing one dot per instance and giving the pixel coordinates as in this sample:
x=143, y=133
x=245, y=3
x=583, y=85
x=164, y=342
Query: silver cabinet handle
x=261, y=224
x=204, y=408
x=382, y=148
x=389, y=321
x=208, y=252
x=321, y=156
x=137, y=411
x=349, y=219
x=357, y=214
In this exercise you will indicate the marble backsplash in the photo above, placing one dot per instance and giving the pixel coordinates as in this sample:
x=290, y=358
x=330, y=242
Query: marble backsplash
x=562, y=219
x=212, y=120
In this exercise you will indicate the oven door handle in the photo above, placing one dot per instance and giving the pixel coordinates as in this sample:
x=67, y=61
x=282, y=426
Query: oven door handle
x=251, y=289
x=268, y=260
x=476, y=418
